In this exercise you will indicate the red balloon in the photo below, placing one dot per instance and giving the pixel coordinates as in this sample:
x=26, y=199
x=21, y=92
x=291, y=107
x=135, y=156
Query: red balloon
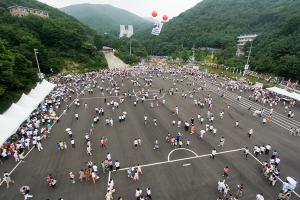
x=154, y=13
x=165, y=17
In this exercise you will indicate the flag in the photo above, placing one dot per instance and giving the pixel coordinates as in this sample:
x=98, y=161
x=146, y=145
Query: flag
x=157, y=28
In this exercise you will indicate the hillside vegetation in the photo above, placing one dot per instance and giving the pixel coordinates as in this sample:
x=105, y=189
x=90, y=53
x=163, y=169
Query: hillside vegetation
x=217, y=23
x=60, y=39
x=106, y=18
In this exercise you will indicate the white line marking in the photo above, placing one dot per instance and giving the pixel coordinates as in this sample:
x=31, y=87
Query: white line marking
x=181, y=159
x=180, y=149
x=102, y=97
x=278, y=177
x=109, y=174
x=187, y=164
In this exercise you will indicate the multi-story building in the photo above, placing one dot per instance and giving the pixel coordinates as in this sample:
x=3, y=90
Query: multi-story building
x=242, y=40
x=21, y=11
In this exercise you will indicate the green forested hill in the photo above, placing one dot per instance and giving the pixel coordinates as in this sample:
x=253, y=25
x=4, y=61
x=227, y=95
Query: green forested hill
x=106, y=18
x=60, y=39
x=217, y=23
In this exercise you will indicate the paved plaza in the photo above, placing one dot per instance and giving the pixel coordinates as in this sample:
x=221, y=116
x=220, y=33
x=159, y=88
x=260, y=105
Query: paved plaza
x=186, y=173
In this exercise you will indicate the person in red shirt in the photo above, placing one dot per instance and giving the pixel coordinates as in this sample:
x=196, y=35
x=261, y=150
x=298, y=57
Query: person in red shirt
x=226, y=171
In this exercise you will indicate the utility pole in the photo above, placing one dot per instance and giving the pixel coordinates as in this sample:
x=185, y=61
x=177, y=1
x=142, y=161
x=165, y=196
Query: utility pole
x=130, y=46
x=38, y=65
x=193, y=53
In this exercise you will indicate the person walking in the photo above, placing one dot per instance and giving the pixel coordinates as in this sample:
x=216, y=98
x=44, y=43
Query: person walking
x=260, y=196
x=25, y=190
x=138, y=193
x=72, y=143
x=139, y=169
x=213, y=153
x=7, y=179
x=117, y=165
x=39, y=146
x=135, y=143
x=246, y=152
x=72, y=177
x=148, y=192
x=250, y=133
x=222, y=142
x=156, y=146
x=226, y=171
x=136, y=175
x=240, y=190
x=237, y=124
x=89, y=150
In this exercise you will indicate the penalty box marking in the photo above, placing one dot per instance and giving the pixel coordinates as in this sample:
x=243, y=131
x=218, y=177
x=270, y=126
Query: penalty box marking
x=181, y=159
x=195, y=157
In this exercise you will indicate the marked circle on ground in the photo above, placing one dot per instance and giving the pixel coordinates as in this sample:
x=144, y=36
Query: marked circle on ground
x=185, y=149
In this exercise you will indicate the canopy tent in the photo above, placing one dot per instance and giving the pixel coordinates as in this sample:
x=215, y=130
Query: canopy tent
x=284, y=92
x=18, y=112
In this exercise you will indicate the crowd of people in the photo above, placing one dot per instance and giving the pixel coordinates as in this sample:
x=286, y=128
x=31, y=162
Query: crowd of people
x=38, y=127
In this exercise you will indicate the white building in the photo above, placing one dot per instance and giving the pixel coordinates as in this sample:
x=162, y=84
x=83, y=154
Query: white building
x=126, y=31
x=242, y=40
x=21, y=11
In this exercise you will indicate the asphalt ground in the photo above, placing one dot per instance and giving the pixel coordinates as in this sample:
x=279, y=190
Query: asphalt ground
x=168, y=180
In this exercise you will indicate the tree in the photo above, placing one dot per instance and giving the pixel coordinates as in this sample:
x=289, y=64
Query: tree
x=6, y=65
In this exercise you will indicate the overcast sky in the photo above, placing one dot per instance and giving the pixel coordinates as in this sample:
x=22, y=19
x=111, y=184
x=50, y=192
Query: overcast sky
x=140, y=7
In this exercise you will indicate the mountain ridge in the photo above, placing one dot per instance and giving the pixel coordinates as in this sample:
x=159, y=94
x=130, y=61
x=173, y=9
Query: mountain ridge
x=105, y=17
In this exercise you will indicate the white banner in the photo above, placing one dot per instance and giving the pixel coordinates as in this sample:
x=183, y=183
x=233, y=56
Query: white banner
x=157, y=28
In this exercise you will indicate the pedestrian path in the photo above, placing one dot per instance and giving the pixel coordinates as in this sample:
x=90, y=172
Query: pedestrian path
x=113, y=61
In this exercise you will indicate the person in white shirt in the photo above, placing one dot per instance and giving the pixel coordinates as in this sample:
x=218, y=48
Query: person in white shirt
x=250, y=132
x=108, y=156
x=237, y=124
x=139, y=169
x=277, y=160
x=260, y=196
x=89, y=150
x=214, y=131
x=95, y=169
x=138, y=193
x=117, y=165
x=262, y=149
x=264, y=121
x=213, y=153
x=221, y=185
x=135, y=143
x=268, y=149
x=39, y=146
x=148, y=191
x=72, y=143
x=178, y=124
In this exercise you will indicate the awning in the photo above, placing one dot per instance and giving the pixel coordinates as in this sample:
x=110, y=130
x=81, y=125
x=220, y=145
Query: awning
x=284, y=92
x=18, y=112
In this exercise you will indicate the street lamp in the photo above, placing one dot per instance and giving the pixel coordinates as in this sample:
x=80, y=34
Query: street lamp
x=130, y=46
x=40, y=76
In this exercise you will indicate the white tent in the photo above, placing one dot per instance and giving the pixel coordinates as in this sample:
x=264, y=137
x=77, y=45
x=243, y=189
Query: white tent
x=20, y=111
x=284, y=92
